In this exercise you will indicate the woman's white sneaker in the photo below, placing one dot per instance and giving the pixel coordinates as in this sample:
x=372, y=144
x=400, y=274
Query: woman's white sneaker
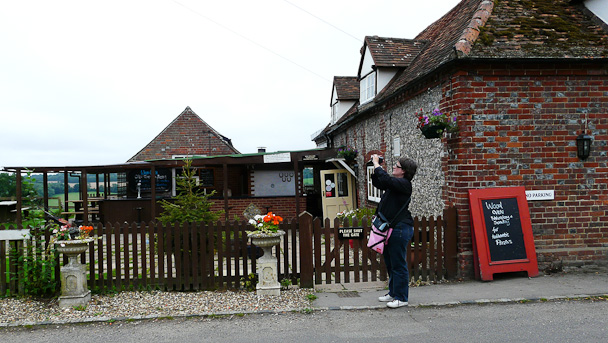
x=386, y=298
x=396, y=303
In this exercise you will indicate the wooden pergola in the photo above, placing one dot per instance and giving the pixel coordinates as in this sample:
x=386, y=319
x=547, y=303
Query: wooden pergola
x=291, y=159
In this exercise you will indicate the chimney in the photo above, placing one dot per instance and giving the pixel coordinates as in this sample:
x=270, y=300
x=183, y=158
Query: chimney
x=262, y=149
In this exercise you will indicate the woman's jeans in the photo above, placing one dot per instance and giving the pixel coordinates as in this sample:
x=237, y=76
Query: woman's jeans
x=396, y=263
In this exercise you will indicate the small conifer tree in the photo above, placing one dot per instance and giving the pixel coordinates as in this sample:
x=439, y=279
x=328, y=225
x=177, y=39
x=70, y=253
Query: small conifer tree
x=191, y=204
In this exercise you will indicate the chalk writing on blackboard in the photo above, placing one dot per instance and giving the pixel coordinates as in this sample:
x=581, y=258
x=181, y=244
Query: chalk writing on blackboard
x=503, y=225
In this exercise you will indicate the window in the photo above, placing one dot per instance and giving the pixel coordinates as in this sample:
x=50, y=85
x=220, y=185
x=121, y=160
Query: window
x=368, y=87
x=373, y=193
x=334, y=113
x=342, y=184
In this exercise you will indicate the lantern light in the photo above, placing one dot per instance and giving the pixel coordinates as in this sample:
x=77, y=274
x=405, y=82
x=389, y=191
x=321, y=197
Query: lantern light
x=583, y=146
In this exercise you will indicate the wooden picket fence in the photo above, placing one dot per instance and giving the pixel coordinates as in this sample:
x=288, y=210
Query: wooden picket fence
x=219, y=256
x=431, y=255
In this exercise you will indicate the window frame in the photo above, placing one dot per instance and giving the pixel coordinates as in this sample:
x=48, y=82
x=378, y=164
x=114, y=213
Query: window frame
x=368, y=87
x=373, y=194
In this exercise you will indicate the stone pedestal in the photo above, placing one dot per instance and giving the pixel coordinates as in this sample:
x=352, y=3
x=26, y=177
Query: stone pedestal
x=74, y=291
x=268, y=282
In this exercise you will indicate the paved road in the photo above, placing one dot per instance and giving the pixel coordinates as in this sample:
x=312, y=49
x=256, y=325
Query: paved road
x=554, y=321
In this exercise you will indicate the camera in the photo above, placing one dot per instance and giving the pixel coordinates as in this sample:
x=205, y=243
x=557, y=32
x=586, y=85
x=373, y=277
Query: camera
x=380, y=160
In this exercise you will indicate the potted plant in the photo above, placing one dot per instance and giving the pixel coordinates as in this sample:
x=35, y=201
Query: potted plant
x=266, y=229
x=266, y=235
x=436, y=123
x=347, y=153
x=73, y=241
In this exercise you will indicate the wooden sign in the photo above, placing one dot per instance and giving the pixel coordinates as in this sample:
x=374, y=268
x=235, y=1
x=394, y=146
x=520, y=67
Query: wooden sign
x=350, y=233
x=502, y=232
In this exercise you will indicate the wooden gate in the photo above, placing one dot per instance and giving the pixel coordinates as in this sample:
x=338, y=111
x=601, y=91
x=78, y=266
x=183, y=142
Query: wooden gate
x=431, y=255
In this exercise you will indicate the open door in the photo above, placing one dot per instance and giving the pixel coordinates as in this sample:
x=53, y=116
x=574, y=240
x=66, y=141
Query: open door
x=337, y=192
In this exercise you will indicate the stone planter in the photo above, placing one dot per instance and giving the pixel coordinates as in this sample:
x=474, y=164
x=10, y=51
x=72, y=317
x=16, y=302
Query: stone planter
x=74, y=291
x=268, y=281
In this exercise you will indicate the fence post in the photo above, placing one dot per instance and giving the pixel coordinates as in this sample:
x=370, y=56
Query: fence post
x=450, y=217
x=306, y=262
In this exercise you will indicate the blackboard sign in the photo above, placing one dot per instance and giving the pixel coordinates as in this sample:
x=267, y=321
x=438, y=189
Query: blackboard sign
x=206, y=178
x=503, y=227
x=140, y=180
x=502, y=232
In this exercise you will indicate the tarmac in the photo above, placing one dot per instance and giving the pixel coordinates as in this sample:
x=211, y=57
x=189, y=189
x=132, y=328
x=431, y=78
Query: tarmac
x=505, y=288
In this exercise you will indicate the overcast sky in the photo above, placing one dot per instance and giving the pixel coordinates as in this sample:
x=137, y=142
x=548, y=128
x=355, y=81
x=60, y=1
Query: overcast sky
x=93, y=82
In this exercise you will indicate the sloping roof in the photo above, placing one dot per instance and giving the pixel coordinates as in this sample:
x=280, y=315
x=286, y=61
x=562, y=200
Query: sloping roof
x=540, y=29
x=442, y=37
x=392, y=52
x=506, y=29
x=347, y=87
x=187, y=134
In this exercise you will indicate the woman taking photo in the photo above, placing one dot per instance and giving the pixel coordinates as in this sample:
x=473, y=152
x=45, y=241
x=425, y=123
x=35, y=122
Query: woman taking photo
x=397, y=193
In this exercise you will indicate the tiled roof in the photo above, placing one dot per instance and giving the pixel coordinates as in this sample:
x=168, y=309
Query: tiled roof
x=540, y=28
x=347, y=87
x=442, y=36
x=506, y=29
x=187, y=134
x=392, y=52
x=491, y=29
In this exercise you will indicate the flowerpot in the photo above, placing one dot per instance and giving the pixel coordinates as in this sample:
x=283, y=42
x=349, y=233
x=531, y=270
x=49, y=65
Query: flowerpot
x=72, y=249
x=266, y=240
x=268, y=281
x=433, y=131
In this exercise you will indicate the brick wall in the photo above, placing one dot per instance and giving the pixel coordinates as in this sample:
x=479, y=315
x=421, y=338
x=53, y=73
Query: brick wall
x=282, y=206
x=519, y=125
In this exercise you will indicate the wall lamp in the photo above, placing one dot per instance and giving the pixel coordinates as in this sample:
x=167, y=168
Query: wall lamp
x=583, y=146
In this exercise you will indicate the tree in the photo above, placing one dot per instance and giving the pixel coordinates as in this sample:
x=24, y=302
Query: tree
x=7, y=185
x=191, y=204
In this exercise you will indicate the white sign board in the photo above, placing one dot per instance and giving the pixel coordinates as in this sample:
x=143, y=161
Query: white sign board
x=14, y=235
x=274, y=183
x=277, y=158
x=540, y=195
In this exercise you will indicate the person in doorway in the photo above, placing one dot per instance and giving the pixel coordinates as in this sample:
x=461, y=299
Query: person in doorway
x=397, y=192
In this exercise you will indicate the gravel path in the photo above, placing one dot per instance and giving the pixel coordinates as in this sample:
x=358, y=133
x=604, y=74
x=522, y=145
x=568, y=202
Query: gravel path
x=141, y=305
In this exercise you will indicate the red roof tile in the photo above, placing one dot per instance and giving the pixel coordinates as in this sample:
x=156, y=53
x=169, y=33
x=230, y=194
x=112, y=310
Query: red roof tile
x=347, y=87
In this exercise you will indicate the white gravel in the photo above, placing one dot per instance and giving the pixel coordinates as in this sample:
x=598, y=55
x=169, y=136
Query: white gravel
x=155, y=304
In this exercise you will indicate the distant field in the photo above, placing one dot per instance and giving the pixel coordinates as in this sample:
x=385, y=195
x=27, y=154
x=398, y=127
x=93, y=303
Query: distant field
x=53, y=202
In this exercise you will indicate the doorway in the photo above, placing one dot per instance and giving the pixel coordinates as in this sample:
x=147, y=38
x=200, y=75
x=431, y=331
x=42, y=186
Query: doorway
x=337, y=192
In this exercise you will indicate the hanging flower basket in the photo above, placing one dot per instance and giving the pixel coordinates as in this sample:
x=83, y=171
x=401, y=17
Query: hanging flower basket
x=432, y=131
x=347, y=153
x=435, y=124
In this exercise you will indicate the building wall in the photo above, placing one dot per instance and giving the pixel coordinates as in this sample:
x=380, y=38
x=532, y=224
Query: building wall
x=518, y=127
x=375, y=135
x=282, y=206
